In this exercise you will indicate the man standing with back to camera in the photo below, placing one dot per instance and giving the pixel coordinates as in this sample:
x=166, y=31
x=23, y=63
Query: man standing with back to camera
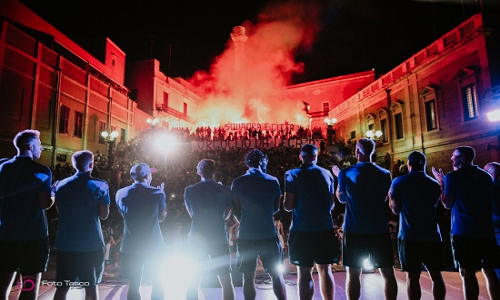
x=414, y=197
x=25, y=192
x=81, y=201
x=256, y=199
x=468, y=192
x=364, y=188
x=310, y=194
x=143, y=207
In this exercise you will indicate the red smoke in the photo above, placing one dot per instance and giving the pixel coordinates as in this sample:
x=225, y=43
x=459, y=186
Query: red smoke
x=254, y=93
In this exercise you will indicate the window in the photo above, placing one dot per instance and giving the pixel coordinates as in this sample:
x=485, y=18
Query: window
x=398, y=124
x=383, y=128
x=122, y=135
x=102, y=127
x=353, y=135
x=78, y=132
x=64, y=119
x=370, y=122
x=185, y=109
x=430, y=114
x=326, y=109
x=397, y=117
x=469, y=101
x=165, y=101
x=428, y=96
x=467, y=83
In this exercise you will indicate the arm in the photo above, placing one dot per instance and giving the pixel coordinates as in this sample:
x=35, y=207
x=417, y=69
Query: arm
x=277, y=201
x=162, y=212
x=394, y=204
x=45, y=200
x=103, y=211
x=289, y=201
x=332, y=201
x=162, y=215
x=237, y=208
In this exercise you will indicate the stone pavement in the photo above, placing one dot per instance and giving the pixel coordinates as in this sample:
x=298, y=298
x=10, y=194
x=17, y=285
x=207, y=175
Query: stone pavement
x=114, y=288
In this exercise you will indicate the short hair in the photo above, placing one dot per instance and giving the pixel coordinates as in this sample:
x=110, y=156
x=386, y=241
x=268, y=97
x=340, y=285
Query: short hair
x=254, y=157
x=493, y=168
x=308, y=151
x=82, y=159
x=467, y=151
x=366, y=146
x=417, y=160
x=25, y=138
x=206, y=168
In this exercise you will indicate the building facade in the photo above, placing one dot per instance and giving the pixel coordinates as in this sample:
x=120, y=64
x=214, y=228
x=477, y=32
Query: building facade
x=433, y=102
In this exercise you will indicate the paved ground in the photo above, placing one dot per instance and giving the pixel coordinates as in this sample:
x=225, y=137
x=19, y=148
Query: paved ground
x=114, y=288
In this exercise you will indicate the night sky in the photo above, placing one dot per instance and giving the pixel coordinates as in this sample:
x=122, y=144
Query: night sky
x=352, y=36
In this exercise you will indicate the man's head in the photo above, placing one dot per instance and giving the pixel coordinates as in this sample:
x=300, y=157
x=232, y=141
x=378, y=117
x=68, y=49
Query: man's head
x=309, y=153
x=256, y=158
x=28, y=143
x=83, y=161
x=494, y=169
x=416, y=161
x=141, y=172
x=364, y=149
x=206, y=169
x=463, y=156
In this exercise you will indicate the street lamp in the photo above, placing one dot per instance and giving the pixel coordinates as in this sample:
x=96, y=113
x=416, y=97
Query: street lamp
x=330, y=130
x=153, y=122
x=374, y=134
x=110, y=139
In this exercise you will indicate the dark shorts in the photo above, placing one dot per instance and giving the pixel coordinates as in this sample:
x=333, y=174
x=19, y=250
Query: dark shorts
x=414, y=254
x=306, y=248
x=137, y=266
x=83, y=267
x=27, y=258
x=358, y=247
x=475, y=253
x=217, y=256
x=269, y=251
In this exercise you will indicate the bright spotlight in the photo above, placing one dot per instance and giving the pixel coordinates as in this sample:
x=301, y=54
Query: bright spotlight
x=493, y=116
x=179, y=271
x=280, y=268
x=367, y=265
x=166, y=143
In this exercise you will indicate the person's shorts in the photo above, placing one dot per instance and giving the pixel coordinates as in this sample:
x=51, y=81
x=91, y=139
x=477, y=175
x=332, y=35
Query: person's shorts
x=358, y=247
x=82, y=267
x=306, y=248
x=269, y=251
x=218, y=257
x=27, y=258
x=413, y=255
x=137, y=266
x=475, y=253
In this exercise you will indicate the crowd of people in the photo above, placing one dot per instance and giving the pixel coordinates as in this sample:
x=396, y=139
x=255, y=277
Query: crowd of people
x=136, y=204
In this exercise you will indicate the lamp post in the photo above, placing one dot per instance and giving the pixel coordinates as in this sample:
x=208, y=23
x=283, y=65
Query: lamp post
x=374, y=134
x=330, y=129
x=153, y=122
x=110, y=139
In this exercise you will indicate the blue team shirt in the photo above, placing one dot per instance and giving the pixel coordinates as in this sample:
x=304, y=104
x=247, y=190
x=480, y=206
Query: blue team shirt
x=21, y=218
x=471, y=214
x=256, y=192
x=366, y=186
x=140, y=206
x=207, y=202
x=312, y=186
x=419, y=195
x=78, y=198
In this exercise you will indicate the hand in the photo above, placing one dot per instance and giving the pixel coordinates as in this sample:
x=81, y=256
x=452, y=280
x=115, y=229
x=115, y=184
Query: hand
x=336, y=170
x=439, y=175
x=161, y=186
x=53, y=188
